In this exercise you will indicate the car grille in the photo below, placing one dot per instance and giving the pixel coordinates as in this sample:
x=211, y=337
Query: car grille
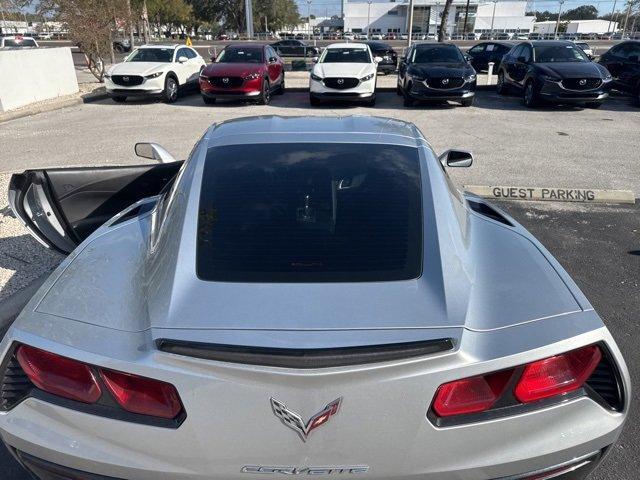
x=226, y=82
x=14, y=384
x=581, y=83
x=605, y=382
x=127, y=80
x=445, y=82
x=341, y=83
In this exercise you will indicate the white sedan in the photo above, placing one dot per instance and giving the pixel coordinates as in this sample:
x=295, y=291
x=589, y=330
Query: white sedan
x=155, y=71
x=344, y=71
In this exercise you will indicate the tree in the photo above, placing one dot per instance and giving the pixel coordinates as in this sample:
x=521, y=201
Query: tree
x=583, y=12
x=443, y=20
x=231, y=13
x=91, y=25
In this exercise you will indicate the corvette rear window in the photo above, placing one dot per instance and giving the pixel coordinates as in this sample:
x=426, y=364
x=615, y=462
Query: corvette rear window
x=310, y=212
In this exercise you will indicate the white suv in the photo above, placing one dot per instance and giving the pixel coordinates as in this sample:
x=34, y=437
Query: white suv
x=17, y=41
x=155, y=71
x=344, y=71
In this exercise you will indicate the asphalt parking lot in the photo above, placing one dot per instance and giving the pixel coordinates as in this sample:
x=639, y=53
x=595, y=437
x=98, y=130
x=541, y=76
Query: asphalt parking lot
x=555, y=147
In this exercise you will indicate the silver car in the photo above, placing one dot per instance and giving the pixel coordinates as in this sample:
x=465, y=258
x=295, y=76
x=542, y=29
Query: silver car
x=302, y=296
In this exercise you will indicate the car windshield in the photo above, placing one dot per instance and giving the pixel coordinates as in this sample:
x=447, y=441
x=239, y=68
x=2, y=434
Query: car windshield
x=162, y=55
x=240, y=55
x=559, y=54
x=437, y=54
x=346, y=55
x=310, y=212
x=10, y=42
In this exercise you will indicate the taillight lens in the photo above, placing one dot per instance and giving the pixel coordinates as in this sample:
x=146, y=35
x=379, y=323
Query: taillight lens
x=541, y=379
x=59, y=375
x=557, y=375
x=143, y=395
x=470, y=395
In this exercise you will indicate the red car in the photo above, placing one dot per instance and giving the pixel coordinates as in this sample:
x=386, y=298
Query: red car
x=250, y=72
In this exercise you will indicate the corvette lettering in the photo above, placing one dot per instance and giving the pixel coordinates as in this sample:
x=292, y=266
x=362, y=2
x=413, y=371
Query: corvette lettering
x=305, y=470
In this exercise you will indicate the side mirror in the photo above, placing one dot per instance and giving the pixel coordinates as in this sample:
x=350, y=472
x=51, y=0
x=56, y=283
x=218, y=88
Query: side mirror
x=315, y=59
x=213, y=58
x=273, y=60
x=153, y=151
x=456, y=158
x=182, y=59
x=377, y=59
x=522, y=60
x=467, y=57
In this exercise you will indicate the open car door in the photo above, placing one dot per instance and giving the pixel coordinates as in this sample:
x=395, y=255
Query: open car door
x=62, y=206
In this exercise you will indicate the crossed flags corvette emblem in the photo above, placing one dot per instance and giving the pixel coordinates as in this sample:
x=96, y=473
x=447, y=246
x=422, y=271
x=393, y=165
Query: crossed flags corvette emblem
x=294, y=421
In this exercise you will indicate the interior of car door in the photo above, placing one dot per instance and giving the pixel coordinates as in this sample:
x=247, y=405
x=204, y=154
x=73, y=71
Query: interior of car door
x=63, y=206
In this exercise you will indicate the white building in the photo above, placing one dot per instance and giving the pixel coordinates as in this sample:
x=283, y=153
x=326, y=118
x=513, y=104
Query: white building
x=591, y=26
x=391, y=16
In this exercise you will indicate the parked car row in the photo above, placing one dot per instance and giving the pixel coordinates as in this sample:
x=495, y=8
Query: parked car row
x=542, y=71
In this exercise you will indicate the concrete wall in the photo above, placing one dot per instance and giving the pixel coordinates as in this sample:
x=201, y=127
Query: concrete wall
x=33, y=75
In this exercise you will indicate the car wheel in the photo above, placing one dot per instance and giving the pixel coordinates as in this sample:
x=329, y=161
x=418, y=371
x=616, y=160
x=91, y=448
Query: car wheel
x=372, y=101
x=593, y=104
x=314, y=101
x=208, y=100
x=265, y=94
x=118, y=48
x=467, y=102
x=408, y=101
x=170, y=90
x=501, y=87
x=119, y=99
x=530, y=97
x=281, y=87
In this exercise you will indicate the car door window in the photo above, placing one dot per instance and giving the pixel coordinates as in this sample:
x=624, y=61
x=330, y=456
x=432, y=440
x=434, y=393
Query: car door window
x=191, y=53
x=526, y=53
x=629, y=50
x=491, y=47
x=517, y=52
x=182, y=53
x=477, y=49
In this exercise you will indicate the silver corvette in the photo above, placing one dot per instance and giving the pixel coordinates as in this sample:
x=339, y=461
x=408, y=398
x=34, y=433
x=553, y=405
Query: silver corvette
x=301, y=297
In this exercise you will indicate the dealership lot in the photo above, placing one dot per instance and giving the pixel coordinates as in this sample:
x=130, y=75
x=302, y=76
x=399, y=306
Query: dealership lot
x=513, y=146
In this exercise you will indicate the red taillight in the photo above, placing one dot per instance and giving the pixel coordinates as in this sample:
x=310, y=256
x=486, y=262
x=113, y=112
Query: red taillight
x=557, y=375
x=59, y=375
x=470, y=395
x=540, y=379
x=143, y=395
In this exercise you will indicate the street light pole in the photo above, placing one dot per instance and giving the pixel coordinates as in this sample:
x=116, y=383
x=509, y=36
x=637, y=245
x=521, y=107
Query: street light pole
x=626, y=20
x=558, y=20
x=410, y=24
x=309, y=17
x=369, y=18
x=493, y=17
x=611, y=17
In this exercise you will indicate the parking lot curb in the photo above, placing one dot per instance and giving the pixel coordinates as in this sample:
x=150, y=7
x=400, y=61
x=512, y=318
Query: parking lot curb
x=548, y=194
x=12, y=306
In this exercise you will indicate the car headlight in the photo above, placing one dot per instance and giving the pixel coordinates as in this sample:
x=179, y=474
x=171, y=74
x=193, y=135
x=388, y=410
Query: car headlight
x=470, y=78
x=368, y=77
x=252, y=76
x=548, y=78
x=154, y=75
x=106, y=75
x=315, y=77
x=607, y=78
